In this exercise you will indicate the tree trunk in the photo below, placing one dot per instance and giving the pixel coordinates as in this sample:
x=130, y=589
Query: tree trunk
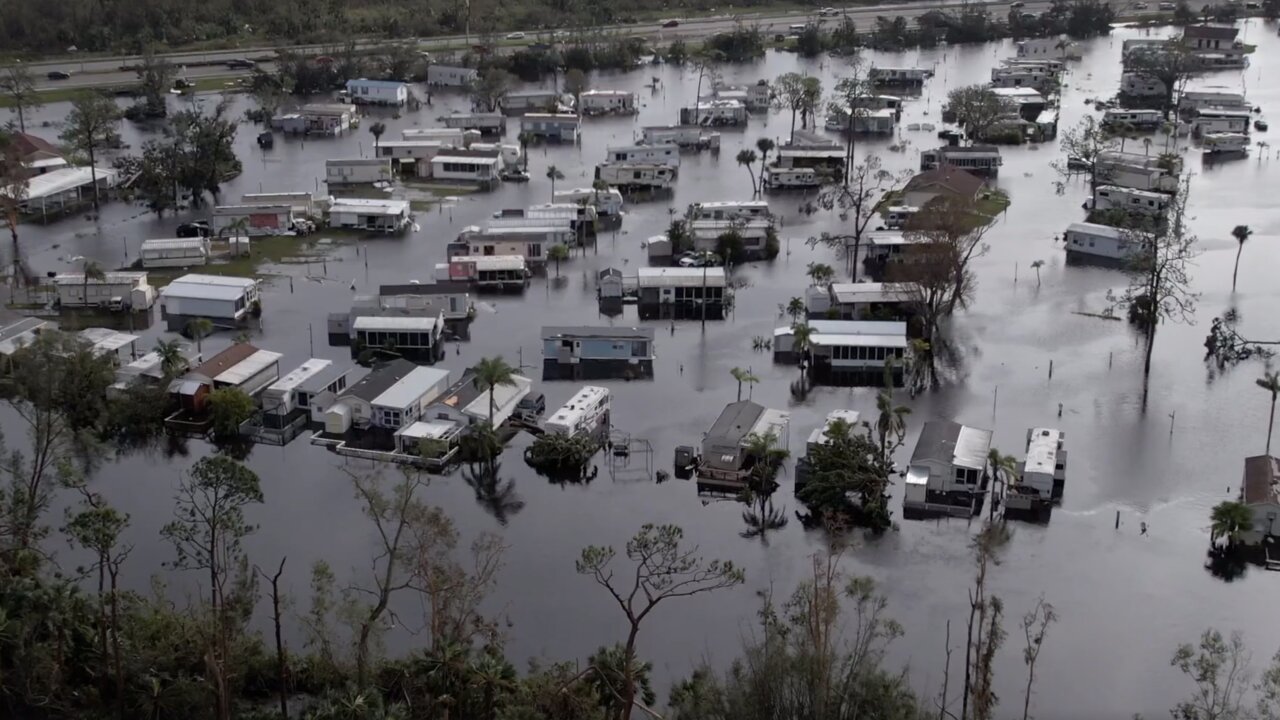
x=12, y=219
x=628, y=680
x=740, y=400
x=793, y=124
x=93, y=176
x=22, y=120
x=1272, y=422
x=1151, y=344
x=115, y=643
x=753, y=178
x=102, y=621
x=281, y=659
x=1236, y=270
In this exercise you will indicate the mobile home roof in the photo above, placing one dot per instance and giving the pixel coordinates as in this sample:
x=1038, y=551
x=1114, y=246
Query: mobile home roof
x=247, y=368
x=299, y=375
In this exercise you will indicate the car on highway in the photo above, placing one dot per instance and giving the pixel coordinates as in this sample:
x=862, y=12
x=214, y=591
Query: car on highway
x=828, y=12
x=1018, y=4
x=1168, y=6
x=59, y=75
x=517, y=35
x=241, y=64
x=670, y=23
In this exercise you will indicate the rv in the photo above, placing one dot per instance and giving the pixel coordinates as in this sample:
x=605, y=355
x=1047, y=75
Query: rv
x=636, y=175
x=1192, y=100
x=1042, y=477
x=779, y=178
x=604, y=102
x=684, y=136
x=1210, y=120
x=1223, y=143
x=730, y=210
x=897, y=216
x=1112, y=197
x=585, y=413
x=607, y=202
x=1136, y=119
x=714, y=112
x=668, y=154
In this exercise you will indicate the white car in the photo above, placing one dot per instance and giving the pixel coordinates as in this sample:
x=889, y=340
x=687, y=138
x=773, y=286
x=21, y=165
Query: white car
x=517, y=35
x=1140, y=6
x=828, y=12
x=1168, y=6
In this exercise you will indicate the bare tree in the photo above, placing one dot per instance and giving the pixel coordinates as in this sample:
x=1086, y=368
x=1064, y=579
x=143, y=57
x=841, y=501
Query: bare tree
x=1220, y=669
x=15, y=179
x=1084, y=144
x=849, y=100
x=91, y=126
x=1172, y=64
x=858, y=200
x=1034, y=626
x=983, y=630
x=282, y=657
x=663, y=570
x=1159, y=282
x=17, y=84
x=796, y=93
x=451, y=592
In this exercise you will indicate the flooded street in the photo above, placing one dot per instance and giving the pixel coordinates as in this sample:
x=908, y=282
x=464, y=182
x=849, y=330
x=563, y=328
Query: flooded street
x=1125, y=600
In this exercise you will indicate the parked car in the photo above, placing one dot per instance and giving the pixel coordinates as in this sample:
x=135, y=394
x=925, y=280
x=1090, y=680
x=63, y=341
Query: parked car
x=1168, y=6
x=828, y=12
x=518, y=176
x=59, y=75
x=670, y=23
x=241, y=64
x=702, y=259
x=517, y=35
x=198, y=228
x=183, y=84
x=531, y=407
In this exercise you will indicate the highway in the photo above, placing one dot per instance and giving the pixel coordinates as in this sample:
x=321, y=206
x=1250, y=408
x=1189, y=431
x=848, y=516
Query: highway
x=106, y=72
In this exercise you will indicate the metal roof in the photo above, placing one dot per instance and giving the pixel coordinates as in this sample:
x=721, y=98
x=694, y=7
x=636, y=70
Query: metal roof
x=680, y=277
x=173, y=243
x=954, y=444
x=299, y=375
x=416, y=323
x=247, y=368
x=439, y=287
x=607, y=332
x=1106, y=231
x=430, y=429
x=445, y=157
x=225, y=359
x=362, y=206
x=819, y=434
x=850, y=327
x=385, y=84
x=104, y=340
x=64, y=179
x=1042, y=450
x=383, y=376
x=505, y=398
x=115, y=277
x=208, y=287
x=736, y=421
x=886, y=341
x=871, y=292
x=412, y=388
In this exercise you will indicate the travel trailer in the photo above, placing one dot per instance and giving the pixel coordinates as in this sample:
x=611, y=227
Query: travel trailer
x=778, y=178
x=607, y=202
x=636, y=175
x=1225, y=143
x=730, y=210
x=1136, y=119
x=667, y=154
x=585, y=413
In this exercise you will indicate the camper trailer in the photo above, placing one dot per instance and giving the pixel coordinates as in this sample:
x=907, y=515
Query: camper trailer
x=730, y=210
x=607, y=202
x=779, y=178
x=636, y=175
x=667, y=154
x=1225, y=143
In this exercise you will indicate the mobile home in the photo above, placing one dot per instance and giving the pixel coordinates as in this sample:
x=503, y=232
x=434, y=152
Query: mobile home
x=1092, y=242
x=608, y=202
x=608, y=102
x=1112, y=197
x=252, y=220
x=636, y=175
x=302, y=203
x=947, y=474
x=668, y=154
x=486, y=123
x=377, y=92
x=589, y=353
x=788, y=178
x=717, y=113
x=726, y=456
x=378, y=215
x=730, y=210
x=685, y=136
x=490, y=272
x=1225, y=143
x=1193, y=100
x=117, y=289
x=1212, y=120
x=906, y=77
x=552, y=127
x=328, y=118
x=467, y=166
x=981, y=160
x=680, y=292
x=531, y=101
x=357, y=171
x=450, y=76
x=222, y=299
x=1147, y=120
x=753, y=233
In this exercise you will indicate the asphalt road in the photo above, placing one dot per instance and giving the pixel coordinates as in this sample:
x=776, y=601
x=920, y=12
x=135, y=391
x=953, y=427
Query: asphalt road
x=105, y=72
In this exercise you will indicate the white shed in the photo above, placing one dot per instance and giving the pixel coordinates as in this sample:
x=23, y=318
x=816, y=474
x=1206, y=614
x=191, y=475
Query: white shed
x=216, y=297
x=117, y=289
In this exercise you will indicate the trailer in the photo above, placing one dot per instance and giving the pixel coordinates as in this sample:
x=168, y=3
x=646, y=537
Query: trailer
x=792, y=178
x=608, y=102
x=652, y=176
x=683, y=136
x=666, y=154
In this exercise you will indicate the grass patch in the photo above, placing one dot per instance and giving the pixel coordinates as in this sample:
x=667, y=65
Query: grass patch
x=264, y=250
x=993, y=203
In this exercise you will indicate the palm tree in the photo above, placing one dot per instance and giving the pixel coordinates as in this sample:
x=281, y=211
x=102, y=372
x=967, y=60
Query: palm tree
x=1003, y=469
x=554, y=174
x=820, y=274
x=199, y=329
x=748, y=158
x=1240, y=233
x=171, y=359
x=767, y=459
x=765, y=146
x=556, y=253
x=90, y=270
x=891, y=422
x=525, y=138
x=1036, y=265
x=496, y=496
x=489, y=374
x=743, y=376
x=796, y=309
x=801, y=334
x=376, y=130
x=1271, y=383
x=762, y=517
x=1230, y=520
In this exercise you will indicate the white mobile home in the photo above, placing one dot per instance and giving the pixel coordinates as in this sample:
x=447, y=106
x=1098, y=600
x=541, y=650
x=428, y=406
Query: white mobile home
x=495, y=272
x=714, y=112
x=531, y=101
x=1091, y=241
x=785, y=178
x=107, y=342
x=754, y=233
x=466, y=166
x=377, y=92
x=302, y=203
x=370, y=214
x=1138, y=171
x=585, y=413
x=357, y=171
x=1142, y=85
x=393, y=395
x=1112, y=197
x=1225, y=143
x=685, y=136
x=310, y=388
x=117, y=289
x=416, y=337
x=222, y=299
x=607, y=202
x=456, y=137
x=1193, y=100
x=981, y=160
x=608, y=102
x=1053, y=47
x=328, y=118
x=730, y=210
x=636, y=175
x=485, y=123
x=250, y=375
x=450, y=76
x=1213, y=120
x=251, y=220
x=150, y=368
x=947, y=474
x=668, y=154
x=1136, y=119
x=898, y=76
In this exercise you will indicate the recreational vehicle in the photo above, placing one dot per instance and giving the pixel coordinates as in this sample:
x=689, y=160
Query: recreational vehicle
x=607, y=202
x=1212, y=120
x=899, y=76
x=636, y=175
x=779, y=178
x=667, y=154
x=1225, y=143
x=1136, y=119
x=605, y=102
x=1112, y=197
x=585, y=413
x=730, y=210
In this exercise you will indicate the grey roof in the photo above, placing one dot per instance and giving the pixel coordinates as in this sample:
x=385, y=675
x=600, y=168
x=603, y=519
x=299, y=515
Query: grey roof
x=1260, y=475
x=609, y=272
x=445, y=287
x=736, y=421
x=380, y=379
x=584, y=331
x=952, y=443
x=318, y=381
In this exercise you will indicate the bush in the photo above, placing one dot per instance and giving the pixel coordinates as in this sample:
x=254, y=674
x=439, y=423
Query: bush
x=229, y=408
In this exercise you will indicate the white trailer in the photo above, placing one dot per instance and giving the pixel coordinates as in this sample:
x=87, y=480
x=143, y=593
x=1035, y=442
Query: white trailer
x=585, y=413
x=668, y=154
x=1091, y=241
x=685, y=136
x=1113, y=197
x=1136, y=119
x=636, y=175
x=1213, y=120
x=730, y=210
x=357, y=171
x=1225, y=143
x=780, y=178
x=376, y=92
x=608, y=102
x=175, y=252
x=607, y=202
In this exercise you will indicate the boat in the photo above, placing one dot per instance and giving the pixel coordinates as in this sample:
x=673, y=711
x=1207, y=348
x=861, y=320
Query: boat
x=1260, y=125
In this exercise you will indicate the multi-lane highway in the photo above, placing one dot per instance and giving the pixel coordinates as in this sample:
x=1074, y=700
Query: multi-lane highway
x=106, y=72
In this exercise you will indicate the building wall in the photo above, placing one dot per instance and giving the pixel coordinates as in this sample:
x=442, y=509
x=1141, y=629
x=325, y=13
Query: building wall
x=98, y=293
x=202, y=307
x=1266, y=516
x=337, y=174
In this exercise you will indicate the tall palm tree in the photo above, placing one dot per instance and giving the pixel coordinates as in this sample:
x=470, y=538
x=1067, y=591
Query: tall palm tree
x=820, y=274
x=801, y=335
x=171, y=359
x=796, y=309
x=743, y=376
x=376, y=130
x=199, y=329
x=1240, y=233
x=1230, y=520
x=891, y=422
x=90, y=270
x=765, y=146
x=747, y=158
x=766, y=458
x=1003, y=469
x=489, y=374
x=554, y=174
x=557, y=253
x=1271, y=383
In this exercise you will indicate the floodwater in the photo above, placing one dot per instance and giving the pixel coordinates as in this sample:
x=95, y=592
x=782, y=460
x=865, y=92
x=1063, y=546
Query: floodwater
x=1125, y=599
